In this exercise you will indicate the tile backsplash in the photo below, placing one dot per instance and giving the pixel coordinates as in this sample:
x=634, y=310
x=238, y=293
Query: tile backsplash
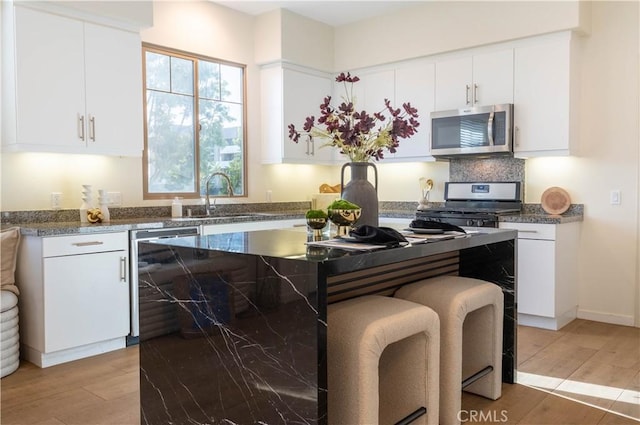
x=498, y=169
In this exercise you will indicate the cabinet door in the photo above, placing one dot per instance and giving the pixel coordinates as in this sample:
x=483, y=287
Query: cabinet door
x=372, y=89
x=536, y=277
x=493, y=78
x=453, y=83
x=541, y=97
x=302, y=97
x=49, y=81
x=113, y=67
x=416, y=84
x=86, y=299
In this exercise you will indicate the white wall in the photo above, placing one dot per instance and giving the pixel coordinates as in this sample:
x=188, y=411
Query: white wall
x=609, y=143
x=434, y=27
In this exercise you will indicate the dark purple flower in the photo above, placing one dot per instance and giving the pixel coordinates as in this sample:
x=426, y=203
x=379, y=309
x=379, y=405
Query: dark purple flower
x=293, y=134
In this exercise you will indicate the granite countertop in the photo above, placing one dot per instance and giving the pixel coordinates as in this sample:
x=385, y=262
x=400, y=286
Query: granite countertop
x=75, y=227
x=65, y=222
x=533, y=213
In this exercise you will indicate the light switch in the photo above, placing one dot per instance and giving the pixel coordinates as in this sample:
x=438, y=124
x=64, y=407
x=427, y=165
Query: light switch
x=615, y=197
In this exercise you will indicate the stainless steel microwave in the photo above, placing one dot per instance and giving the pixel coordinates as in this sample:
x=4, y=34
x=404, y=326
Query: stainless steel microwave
x=482, y=130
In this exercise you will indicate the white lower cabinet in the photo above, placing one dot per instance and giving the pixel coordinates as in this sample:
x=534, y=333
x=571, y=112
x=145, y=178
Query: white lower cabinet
x=74, y=299
x=547, y=286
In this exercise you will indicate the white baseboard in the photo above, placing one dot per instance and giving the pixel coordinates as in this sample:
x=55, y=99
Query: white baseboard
x=550, y=323
x=51, y=359
x=614, y=319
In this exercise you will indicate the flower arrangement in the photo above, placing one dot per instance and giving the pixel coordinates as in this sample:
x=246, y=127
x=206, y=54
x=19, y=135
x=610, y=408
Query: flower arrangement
x=358, y=134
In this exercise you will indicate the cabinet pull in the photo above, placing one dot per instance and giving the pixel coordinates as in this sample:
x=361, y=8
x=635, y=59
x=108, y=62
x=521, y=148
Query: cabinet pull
x=475, y=93
x=516, y=136
x=467, y=94
x=123, y=269
x=90, y=243
x=92, y=128
x=527, y=231
x=313, y=147
x=81, y=127
x=308, y=141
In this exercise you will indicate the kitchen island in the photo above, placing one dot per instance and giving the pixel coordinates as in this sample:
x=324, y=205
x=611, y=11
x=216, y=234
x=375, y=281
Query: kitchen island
x=233, y=326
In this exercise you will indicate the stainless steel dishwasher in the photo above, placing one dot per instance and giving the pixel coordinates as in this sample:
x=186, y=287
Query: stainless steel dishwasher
x=136, y=236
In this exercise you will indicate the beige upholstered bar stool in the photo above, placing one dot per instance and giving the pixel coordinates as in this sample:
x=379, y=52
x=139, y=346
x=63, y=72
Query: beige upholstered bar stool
x=382, y=361
x=471, y=321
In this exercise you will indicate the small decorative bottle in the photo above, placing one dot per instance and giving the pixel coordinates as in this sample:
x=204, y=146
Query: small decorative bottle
x=103, y=200
x=87, y=203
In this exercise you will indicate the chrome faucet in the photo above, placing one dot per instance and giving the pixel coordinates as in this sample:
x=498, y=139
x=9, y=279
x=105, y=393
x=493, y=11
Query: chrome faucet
x=208, y=207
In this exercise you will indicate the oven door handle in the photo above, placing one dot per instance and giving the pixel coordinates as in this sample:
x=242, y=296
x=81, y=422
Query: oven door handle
x=490, y=128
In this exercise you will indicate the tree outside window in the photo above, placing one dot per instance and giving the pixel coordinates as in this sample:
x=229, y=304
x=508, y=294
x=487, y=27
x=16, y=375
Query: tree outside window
x=195, y=113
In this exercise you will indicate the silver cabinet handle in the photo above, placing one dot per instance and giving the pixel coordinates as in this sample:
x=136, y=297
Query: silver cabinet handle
x=92, y=128
x=527, y=231
x=516, y=136
x=313, y=147
x=308, y=141
x=91, y=243
x=123, y=269
x=81, y=127
x=467, y=94
x=475, y=93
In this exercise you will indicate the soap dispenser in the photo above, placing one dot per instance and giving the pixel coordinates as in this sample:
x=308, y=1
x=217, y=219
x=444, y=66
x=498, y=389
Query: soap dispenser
x=176, y=207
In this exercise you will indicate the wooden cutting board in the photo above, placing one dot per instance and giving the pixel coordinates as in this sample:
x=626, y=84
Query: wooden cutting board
x=555, y=200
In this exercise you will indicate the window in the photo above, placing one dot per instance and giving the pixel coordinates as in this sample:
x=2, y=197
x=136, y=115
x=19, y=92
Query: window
x=195, y=115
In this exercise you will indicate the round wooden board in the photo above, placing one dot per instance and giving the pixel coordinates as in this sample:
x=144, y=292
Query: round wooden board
x=555, y=200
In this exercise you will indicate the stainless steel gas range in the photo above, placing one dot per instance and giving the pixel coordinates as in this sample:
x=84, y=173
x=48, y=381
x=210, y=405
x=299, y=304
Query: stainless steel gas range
x=475, y=204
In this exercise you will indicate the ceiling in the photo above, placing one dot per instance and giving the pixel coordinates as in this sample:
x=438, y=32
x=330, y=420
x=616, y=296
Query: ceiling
x=330, y=12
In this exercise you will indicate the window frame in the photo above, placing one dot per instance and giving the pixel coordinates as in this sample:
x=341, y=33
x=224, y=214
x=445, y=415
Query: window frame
x=154, y=48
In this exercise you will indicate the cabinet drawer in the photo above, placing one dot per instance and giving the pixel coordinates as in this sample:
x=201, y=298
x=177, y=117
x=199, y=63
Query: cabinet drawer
x=532, y=230
x=84, y=244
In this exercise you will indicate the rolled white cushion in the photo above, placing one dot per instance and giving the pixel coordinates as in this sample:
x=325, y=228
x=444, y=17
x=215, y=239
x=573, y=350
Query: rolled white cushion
x=8, y=329
x=10, y=364
x=8, y=300
x=9, y=347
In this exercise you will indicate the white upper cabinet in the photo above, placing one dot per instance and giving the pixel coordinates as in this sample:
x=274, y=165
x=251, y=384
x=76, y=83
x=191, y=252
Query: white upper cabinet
x=370, y=92
x=415, y=84
x=411, y=82
x=289, y=95
x=482, y=78
x=72, y=86
x=545, y=103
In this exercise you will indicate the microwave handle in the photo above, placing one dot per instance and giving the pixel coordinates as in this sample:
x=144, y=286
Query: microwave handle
x=490, y=128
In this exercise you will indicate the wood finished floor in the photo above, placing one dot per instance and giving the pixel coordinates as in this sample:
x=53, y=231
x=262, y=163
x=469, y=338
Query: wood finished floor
x=587, y=373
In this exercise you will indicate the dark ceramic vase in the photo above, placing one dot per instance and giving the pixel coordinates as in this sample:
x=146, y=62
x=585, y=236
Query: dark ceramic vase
x=361, y=192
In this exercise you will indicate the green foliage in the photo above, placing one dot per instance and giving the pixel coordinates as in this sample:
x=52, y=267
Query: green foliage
x=341, y=204
x=316, y=214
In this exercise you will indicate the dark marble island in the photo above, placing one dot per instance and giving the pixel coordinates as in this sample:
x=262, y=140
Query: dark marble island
x=233, y=326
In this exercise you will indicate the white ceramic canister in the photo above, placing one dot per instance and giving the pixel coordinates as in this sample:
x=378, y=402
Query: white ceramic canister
x=176, y=207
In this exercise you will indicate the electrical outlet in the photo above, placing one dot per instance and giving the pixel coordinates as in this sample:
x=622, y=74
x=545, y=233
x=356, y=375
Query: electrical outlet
x=115, y=199
x=56, y=200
